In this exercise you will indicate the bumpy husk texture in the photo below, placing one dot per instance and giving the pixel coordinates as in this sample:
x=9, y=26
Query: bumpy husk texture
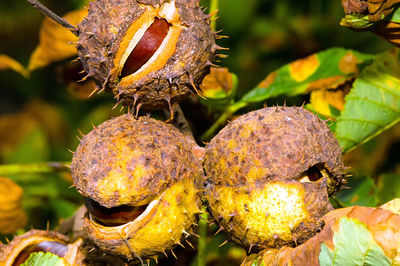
x=253, y=168
x=105, y=34
x=134, y=162
x=383, y=225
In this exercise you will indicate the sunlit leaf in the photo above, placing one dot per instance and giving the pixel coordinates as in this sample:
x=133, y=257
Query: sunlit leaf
x=43, y=259
x=56, y=43
x=373, y=105
x=354, y=245
x=324, y=70
x=7, y=62
x=328, y=103
x=395, y=17
x=393, y=206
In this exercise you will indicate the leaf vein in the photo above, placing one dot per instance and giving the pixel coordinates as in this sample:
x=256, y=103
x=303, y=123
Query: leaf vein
x=374, y=102
x=360, y=120
x=372, y=82
x=346, y=138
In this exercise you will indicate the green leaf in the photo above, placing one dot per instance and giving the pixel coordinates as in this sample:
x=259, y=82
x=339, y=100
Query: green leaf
x=63, y=208
x=373, y=104
x=362, y=192
x=43, y=259
x=356, y=21
x=33, y=147
x=389, y=187
x=395, y=16
x=326, y=69
x=354, y=245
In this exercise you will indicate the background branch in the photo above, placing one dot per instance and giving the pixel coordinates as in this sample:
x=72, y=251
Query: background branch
x=50, y=14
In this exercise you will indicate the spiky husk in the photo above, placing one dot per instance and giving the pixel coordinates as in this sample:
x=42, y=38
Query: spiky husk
x=130, y=161
x=258, y=160
x=10, y=252
x=139, y=161
x=106, y=27
x=77, y=252
x=158, y=230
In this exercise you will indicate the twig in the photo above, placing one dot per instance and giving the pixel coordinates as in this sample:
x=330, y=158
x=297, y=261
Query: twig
x=222, y=120
x=213, y=9
x=202, y=243
x=50, y=14
x=180, y=122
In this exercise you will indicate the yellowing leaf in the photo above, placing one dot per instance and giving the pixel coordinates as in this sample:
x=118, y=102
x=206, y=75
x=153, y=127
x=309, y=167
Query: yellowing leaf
x=322, y=101
x=7, y=62
x=301, y=69
x=348, y=63
x=56, y=42
x=218, y=84
x=12, y=216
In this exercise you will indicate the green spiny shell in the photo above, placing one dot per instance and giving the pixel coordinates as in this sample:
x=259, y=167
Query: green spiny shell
x=107, y=24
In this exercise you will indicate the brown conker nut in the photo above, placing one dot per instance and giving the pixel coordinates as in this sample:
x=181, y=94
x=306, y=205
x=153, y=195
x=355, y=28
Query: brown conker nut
x=138, y=177
x=148, y=53
x=268, y=176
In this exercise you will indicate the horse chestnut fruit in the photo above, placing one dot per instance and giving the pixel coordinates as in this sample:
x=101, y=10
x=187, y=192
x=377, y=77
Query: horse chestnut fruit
x=269, y=173
x=148, y=53
x=138, y=179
